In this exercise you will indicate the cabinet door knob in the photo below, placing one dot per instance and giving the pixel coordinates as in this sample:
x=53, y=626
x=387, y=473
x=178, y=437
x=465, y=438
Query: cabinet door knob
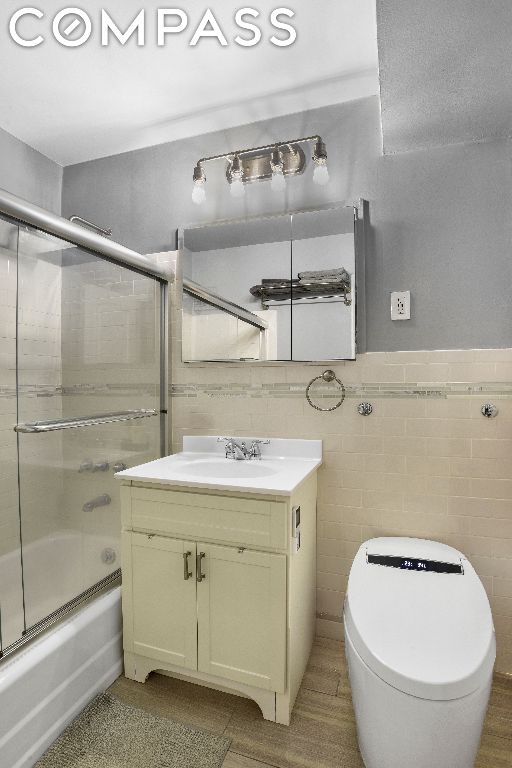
x=199, y=574
x=186, y=573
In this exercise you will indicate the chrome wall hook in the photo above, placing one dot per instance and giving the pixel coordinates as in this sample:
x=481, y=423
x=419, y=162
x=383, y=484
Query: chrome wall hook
x=489, y=410
x=365, y=409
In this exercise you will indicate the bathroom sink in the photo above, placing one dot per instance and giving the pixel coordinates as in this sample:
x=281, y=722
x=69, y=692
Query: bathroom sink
x=284, y=465
x=227, y=468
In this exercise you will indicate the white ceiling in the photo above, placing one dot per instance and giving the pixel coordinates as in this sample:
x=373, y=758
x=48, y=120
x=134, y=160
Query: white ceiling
x=76, y=104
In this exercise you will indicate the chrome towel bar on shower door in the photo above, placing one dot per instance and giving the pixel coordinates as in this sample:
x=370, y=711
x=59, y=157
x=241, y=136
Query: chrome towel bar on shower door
x=84, y=421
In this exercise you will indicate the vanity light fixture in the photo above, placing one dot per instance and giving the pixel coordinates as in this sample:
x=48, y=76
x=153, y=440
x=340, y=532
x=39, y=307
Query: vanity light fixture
x=272, y=161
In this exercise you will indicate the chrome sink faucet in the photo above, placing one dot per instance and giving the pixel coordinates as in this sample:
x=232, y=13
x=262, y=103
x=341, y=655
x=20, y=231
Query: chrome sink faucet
x=239, y=451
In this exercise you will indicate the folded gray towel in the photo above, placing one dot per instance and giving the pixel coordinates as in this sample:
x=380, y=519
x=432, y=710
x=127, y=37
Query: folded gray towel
x=332, y=275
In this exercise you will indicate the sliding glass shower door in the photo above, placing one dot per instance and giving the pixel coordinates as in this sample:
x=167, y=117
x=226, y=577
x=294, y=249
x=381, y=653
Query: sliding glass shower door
x=81, y=377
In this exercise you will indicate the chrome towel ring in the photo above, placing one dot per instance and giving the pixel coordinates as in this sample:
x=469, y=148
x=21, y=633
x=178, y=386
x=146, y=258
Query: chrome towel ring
x=326, y=376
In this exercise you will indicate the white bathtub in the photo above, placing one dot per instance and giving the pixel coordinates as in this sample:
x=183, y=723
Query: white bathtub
x=47, y=683
x=56, y=569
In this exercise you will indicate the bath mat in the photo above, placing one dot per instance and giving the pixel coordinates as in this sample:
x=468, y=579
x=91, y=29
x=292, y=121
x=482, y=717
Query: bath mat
x=110, y=734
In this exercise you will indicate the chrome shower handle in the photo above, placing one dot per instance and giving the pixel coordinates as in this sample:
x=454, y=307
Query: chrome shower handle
x=83, y=222
x=100, y=501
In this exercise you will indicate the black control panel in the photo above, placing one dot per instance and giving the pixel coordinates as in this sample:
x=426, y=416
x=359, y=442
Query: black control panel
x=415, y=564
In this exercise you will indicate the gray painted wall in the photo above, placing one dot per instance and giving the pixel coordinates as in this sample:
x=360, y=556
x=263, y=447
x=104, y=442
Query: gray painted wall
x=29, y=174
x=443, y=229
x=441, y=218
x=445, y=70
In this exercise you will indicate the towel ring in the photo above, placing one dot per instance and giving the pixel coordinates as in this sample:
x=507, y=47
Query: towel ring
x=326, y=376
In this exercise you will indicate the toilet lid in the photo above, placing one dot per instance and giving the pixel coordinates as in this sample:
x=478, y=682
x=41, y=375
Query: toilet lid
x=418, y=615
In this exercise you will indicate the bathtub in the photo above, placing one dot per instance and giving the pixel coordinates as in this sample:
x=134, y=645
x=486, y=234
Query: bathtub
x=44, y=685
x=56, y=569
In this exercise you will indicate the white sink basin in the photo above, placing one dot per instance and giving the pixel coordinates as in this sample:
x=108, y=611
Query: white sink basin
x=202, y=464
x=227, y=468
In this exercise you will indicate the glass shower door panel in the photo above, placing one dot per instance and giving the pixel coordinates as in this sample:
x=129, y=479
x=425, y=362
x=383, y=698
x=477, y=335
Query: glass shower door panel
x=11, y=593
x=93, y=349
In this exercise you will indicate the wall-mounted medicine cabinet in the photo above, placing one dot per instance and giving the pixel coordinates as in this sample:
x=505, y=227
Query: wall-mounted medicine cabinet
x=278, y=288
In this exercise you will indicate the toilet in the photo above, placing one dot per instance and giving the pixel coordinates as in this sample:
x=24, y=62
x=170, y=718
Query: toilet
x=420, y=647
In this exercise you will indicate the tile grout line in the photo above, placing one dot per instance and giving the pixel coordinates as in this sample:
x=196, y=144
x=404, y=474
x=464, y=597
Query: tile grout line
x=258, y=762
x=231, y=715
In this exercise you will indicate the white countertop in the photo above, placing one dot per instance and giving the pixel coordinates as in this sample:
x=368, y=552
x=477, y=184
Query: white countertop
x=202, y=464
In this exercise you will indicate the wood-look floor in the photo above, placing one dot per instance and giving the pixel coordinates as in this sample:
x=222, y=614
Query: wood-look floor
x=322, y=733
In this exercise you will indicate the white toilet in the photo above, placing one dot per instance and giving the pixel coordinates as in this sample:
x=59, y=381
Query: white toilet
x=420, y=647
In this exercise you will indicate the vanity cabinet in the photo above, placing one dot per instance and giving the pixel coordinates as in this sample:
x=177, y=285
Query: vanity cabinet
x=217, y=591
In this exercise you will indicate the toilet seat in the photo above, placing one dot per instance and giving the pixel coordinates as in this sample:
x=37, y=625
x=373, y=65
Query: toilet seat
x=427, y=634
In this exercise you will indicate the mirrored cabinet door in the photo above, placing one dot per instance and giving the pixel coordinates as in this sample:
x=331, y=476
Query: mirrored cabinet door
x=236, y=297
x=323, y=282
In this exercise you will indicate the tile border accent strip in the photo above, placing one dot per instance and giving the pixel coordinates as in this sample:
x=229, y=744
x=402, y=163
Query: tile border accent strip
x=296, y=390
x=50, y=390
x=278, y=390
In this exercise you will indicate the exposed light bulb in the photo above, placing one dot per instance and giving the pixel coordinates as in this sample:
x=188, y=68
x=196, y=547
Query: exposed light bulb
x=198, y=194
x=321, y=174
x=237, y=188
x=278, y=182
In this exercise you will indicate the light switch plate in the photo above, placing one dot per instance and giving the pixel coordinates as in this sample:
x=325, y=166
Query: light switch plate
x=401, y=305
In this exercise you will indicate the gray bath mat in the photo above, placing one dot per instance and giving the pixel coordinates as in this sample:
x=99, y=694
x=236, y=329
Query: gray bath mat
x=110, y=734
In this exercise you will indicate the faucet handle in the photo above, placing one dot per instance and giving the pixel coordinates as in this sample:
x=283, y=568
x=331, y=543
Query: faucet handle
x=229, y=447
x=254, y=450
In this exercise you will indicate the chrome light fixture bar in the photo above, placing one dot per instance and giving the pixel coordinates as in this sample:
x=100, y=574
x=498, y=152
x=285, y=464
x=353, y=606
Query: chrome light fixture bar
x=270, y=161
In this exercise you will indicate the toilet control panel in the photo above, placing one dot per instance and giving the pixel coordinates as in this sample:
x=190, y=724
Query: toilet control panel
x=415, y=564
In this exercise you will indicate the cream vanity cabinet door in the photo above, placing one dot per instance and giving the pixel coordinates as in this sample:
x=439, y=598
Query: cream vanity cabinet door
x=241, y=604
x=160, y=603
